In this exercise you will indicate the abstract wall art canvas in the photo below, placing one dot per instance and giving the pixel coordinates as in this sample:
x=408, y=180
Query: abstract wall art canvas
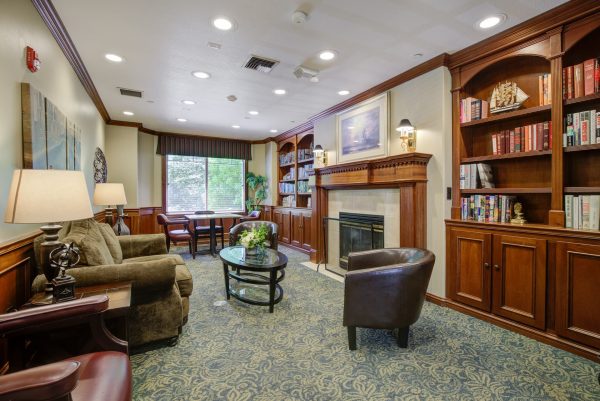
x=56, y=137
x=34, y=127
x=70, y=145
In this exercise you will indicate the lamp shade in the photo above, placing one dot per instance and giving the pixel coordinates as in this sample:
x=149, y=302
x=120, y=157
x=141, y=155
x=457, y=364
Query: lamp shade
x=318, y=150
x=107, y=194
x=405, y=127
x=44, y=196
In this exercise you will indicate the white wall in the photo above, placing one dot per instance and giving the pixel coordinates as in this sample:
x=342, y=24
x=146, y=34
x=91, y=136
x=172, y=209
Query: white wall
x=122, y=160
x=271, y=172
x=21, y=26
x=145, y=170
x=426, y=102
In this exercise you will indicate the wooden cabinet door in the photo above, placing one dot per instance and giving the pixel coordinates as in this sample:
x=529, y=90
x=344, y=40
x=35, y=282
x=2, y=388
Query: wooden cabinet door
x=578, y=292
x=519, y=279
x=306, y=231
x=296, y=228
x=469, y=266
x=277, y=219
x=285, y=226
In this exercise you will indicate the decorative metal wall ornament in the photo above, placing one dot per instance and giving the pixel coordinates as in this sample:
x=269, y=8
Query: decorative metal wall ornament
x=100, y=169
x=507, y=96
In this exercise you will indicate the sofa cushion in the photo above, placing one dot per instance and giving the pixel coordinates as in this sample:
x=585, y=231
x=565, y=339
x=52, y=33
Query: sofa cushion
x=112, y=242
x=182, y=274
x=88, y=238
x=177, y=258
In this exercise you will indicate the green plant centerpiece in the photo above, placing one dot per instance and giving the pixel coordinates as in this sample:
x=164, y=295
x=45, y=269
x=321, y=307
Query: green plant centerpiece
x=257, y=184
x=255, y=240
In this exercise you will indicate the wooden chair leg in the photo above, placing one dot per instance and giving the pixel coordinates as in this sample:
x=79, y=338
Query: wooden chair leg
x=403, y=337
x=352, y=338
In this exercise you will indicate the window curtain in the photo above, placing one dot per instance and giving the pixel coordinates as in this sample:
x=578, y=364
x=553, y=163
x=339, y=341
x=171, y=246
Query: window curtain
x=203, y=147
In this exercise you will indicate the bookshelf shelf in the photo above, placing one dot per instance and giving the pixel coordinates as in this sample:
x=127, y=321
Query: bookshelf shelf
x=507, y=191
x=582, y=99
x=306, y=161
x=528, y=112
x=286, y=193
x=303, y=179
x=304, y=193
x=287, y=165
x=582, y=148
x=582, y=190
x=291, y=180
x=515, y=155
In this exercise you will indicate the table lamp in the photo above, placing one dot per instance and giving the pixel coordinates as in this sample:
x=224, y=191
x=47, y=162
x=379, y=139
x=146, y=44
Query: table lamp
x=47, y=197
x=111, y=193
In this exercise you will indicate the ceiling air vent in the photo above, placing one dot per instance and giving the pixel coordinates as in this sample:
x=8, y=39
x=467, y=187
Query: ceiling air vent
x=130, y=92
x=261, y=64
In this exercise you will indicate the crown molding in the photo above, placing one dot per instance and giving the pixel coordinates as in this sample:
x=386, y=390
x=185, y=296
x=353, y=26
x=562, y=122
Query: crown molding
x=52, y=20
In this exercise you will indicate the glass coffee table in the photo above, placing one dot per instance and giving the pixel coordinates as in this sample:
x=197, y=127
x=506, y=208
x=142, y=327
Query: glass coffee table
x=254, y=279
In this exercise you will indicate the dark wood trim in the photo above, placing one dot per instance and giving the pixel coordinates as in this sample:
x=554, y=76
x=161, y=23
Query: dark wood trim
x=52, y=20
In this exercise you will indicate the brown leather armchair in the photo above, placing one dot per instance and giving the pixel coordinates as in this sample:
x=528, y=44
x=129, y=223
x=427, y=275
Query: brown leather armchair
x=385, y=289
x=235, y=232
x=176, y=235
x=105, y=375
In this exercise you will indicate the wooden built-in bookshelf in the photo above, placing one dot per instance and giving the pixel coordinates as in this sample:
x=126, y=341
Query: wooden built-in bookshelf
x=295, y=155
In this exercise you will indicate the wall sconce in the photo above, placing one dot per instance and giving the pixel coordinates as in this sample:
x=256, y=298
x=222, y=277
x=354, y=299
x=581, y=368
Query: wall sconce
x=408, y=136
x=320, y=155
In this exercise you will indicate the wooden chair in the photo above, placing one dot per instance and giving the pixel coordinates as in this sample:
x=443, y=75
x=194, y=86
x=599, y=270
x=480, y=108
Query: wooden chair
x=176, y=235
x=203, y=231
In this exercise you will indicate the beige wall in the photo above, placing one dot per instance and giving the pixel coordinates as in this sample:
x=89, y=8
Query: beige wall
x=271, y=172
x=426, y=102
x=145, y=170
x=21, y=26
x=122, y=160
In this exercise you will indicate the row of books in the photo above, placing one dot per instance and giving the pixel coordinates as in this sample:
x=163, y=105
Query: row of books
x=523, y=139
x=304, y=154
x=473, y=109
x=288, y=201
x=487, y=208
x=286, y=187
x=286, y=158
x=582, y=128
x=303, y=171
x=476, y=175
x=303, y=187
x=582, y=212
x=581, y=79
x=290, y=174
x=545, y=89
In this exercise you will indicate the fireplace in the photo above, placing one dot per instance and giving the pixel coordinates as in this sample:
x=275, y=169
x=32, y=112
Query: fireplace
x=359, y=232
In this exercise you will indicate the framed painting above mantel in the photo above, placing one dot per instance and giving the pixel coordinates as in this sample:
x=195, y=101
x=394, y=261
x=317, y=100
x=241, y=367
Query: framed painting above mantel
x=363, y=130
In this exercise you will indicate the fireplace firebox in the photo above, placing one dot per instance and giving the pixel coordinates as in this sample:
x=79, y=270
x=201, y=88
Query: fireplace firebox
x=359, y=232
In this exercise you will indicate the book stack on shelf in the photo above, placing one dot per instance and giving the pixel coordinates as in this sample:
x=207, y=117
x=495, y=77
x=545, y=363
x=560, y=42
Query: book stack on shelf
x=473, y=109
x=582, y=212
x=286, y=158
x=303, y=187
x=582, y=128
x=304, y=171
x=581, y=79
x=305, y=154
x=288, y=201
x=286, y=188
x=290, y=174
x=523, y=139
x=476, y=175
x=545, y=89
x=487, y=208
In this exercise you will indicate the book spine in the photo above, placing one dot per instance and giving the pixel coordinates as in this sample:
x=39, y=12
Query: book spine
x=598, y=127
x=549, y=88
x=487, y=209
x=494, y=143
x=585, y=212
x=578, y=80
x=564, y=83
x=541, y=89
x=518, y=139
x=570, y=83
x=546, y=90
x=588, y=77
x=584, y=118
x=539, y=140
x=546, y=137
x=594, y=212
x=473, y=176
x=511, y=148
x=569, y=211
x=576, y=130
x=593, y=121
x=576, y=209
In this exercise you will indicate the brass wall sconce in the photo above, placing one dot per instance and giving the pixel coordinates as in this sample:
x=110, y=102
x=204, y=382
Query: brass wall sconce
x=320, y=155
x=408, y=136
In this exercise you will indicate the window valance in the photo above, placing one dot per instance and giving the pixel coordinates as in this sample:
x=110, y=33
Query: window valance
x=203, y=147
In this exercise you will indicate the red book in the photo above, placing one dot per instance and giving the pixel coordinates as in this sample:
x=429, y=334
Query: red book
x=526, y=138
x=550, y=135
x=494, y=144
x=570, y=88
x=512, y=141
x=597, y=75
x=539, y=145
x=578, y=88
x=518, y=139
x=506, y=141
x=501, y=140
x=588, y=77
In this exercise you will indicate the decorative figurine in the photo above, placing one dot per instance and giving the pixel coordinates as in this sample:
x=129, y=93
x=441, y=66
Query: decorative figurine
x=507, y=96
x=64, y=285
x=518, y=219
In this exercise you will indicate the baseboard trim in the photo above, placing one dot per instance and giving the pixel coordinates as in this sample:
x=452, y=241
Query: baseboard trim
x=295, y=248
x=542, y=336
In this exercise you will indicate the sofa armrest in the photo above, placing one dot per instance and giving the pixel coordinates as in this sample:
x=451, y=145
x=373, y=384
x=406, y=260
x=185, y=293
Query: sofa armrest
x=142, y=245
x=44, y=383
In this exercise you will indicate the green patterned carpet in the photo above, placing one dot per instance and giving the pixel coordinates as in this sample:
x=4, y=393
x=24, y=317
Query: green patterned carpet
x=240, y=352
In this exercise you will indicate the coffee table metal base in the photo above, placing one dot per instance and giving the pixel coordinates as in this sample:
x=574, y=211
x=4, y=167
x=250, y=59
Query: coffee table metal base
x=238, y=290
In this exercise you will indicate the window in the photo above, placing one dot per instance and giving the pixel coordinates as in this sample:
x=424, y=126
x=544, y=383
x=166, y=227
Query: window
x=204, y=183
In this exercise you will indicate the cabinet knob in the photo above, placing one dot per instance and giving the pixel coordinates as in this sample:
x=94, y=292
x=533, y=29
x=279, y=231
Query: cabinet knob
x=497, y=267
x=486, y=265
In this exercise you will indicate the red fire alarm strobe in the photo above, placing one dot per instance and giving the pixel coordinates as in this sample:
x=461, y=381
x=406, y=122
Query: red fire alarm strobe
x=33, y=62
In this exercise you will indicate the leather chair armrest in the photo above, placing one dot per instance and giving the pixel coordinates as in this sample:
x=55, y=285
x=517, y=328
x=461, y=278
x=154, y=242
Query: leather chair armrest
x=381, y=257
x=44, y=383
x=142, y=245
x=32, y=317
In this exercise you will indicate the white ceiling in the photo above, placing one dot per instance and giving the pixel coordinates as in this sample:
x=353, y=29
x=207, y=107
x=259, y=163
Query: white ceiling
x=164, y=41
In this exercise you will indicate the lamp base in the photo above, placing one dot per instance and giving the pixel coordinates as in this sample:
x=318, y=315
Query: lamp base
x=50, y=243
x=120, y=228
x=108, y=216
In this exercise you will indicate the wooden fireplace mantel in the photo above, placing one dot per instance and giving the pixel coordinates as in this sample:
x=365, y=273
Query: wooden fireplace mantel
x=407, y=171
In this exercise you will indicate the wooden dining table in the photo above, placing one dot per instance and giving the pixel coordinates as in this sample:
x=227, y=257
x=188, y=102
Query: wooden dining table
x=194, y=218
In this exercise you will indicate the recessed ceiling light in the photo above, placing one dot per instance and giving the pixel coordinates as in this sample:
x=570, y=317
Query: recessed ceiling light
x=279, y=91
x=188, y=102
x=491, y=21
x=128, y=113
x=201, y=74
x=235, y=126
x=113, y=57
x=273, y=131
x=327, y=55
x=222, y=23
x=344, y=92
x=253, y=112
x=181, y=120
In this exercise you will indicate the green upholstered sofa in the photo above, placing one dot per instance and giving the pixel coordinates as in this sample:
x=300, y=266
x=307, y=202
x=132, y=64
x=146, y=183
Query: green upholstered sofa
x=161, y=282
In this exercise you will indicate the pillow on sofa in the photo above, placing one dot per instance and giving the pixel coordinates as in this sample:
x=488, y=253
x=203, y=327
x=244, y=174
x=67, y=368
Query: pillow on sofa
x=112, y=242
x=92, y=246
